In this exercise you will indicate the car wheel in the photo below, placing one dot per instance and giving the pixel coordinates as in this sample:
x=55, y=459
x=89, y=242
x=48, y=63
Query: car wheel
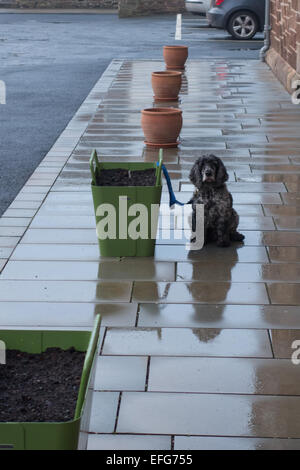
x=243, y=25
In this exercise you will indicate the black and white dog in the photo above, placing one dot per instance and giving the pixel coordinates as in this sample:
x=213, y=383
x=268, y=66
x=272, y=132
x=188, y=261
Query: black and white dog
x=209, y=176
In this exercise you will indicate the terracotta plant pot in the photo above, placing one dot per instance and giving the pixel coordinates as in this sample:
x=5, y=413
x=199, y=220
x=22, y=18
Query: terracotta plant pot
x=166, y=85
x=175, y=57
x=161, y=126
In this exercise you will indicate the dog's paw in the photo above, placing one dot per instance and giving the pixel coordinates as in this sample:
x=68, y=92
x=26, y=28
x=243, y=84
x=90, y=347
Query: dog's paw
x=237, y=237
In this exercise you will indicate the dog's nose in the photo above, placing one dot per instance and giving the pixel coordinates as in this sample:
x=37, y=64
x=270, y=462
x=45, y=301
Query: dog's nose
x=208, y=172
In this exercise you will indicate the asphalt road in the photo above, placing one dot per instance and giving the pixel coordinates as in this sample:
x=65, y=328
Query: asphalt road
x=49, y=63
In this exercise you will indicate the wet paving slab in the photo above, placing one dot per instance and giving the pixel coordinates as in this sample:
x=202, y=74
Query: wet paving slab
x=284, y=293
x=16, y=314
x=65, y=291
x=291, y=199
x=218, y=375
x=290, y=223
x=87, y=236
x=201, y=292
x=234, y=443
x=248, y=272
x=218, y=316
x=187, y=342
x=227, y=318
x=209, y=414
x=126, y=269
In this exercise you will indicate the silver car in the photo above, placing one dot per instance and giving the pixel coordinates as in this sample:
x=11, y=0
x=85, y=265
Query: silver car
x=197, y=7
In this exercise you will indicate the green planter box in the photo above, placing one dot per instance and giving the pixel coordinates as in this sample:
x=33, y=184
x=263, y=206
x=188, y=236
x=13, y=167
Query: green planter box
x=122, y=198
x=69, y=435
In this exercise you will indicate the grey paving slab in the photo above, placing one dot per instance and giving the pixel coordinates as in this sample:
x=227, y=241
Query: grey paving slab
x=277, y=238
x=65, y=291
x=291, y=199
x=128, y=442
x=24, y=197
x=240, y=272
x=89, y=270
x=223, y=375
x=209, y=253
x=252, y=238
x=58, y=236
x=282, y=210
x=11, y=212
x=2, y=263
x=167, y=253
x=121, y=373
x=282, y=254
x=287, y=223
x=200, y=292
x=23, y=204
x=187, y=342
x=210, y=415
x=12, y=231
x=15, y=221
x=231, y=443
x=61, y=221
x=87, y=236
x=218, y=316
x=5, y=252
x=48, y=314
x=284, y=293
x=250, y=187
x=104, y=411
x=9, y=242
x=285, y=344
x=33, y=191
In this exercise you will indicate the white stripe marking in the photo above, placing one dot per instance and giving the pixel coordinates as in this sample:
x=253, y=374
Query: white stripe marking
x=178, y=27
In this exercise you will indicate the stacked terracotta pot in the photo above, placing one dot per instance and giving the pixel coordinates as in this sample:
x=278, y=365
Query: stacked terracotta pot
x=162, y=125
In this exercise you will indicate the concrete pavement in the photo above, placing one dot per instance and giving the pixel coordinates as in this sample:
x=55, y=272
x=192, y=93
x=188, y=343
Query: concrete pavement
x=196, y=347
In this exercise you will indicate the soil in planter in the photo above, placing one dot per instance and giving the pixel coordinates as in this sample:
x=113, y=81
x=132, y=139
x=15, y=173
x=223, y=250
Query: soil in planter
x=40, y=387
x=121, y=177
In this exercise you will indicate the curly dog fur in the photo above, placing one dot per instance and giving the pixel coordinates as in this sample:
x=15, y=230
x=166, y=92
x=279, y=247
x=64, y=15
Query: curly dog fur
x=209, y=176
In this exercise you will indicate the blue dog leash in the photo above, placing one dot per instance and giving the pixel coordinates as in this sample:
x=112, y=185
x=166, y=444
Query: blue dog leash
x=173, y=199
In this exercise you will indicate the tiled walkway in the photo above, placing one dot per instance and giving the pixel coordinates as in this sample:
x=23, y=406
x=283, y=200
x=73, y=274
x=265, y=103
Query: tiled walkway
x=196, y=349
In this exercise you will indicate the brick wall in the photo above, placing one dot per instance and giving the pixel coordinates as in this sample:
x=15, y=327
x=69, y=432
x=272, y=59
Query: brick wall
x=126, y=7
x=285, y=19
x=284, y=55
x=147, y=7
x=59, y=4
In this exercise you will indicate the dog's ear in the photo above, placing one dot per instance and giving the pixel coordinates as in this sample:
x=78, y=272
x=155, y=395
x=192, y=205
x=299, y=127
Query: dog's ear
x=222, y=175
x=195, y=173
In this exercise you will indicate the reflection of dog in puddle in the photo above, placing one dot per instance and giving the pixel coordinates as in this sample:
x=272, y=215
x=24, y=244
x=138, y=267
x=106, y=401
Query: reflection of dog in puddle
x=209, y=175
x=206, y=335
x=216, y=276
